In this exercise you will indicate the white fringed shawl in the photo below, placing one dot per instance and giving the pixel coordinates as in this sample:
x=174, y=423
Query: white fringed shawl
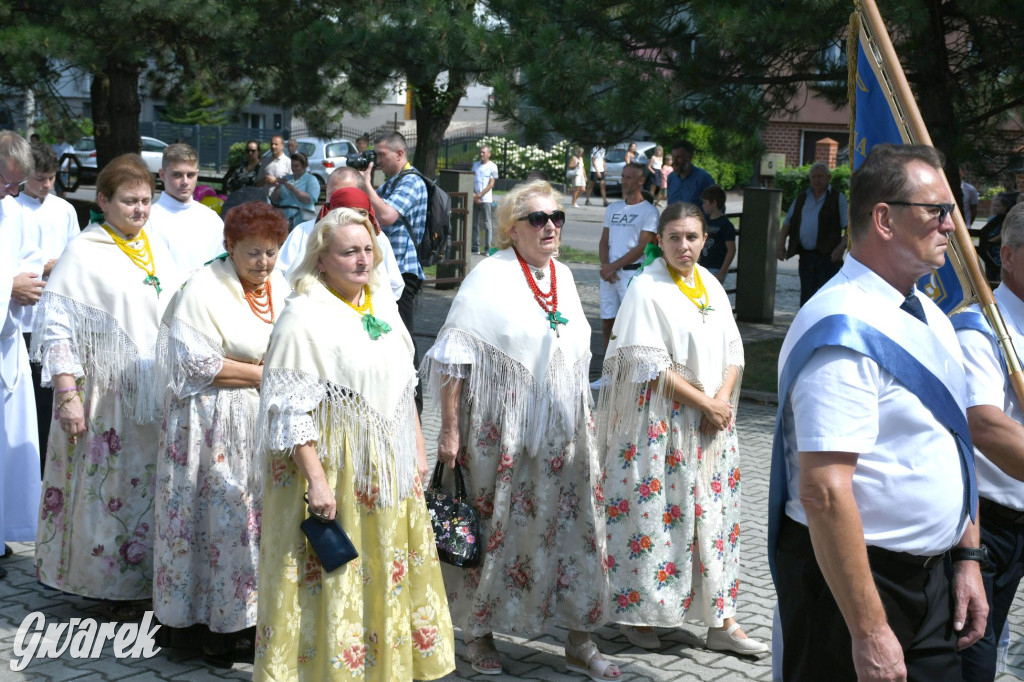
x=210, y=320
x=97, y=293
x=521, y=373
x=325, y=380
x=659, y=328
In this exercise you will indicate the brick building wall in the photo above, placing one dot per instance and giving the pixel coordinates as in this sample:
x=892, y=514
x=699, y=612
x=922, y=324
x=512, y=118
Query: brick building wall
x=784, y=138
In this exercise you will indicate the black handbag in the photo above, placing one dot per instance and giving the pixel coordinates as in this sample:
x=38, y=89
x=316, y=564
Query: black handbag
x=329, y=541
x=455, y=522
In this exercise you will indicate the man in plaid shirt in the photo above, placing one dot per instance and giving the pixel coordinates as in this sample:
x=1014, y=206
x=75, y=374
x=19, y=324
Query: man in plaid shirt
x=401, y=207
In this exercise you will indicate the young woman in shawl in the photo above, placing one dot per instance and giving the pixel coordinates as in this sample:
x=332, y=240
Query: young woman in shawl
x=510, y=371
x=338, y=422
x=95, y=333
x=207, y=515
x=667, y=421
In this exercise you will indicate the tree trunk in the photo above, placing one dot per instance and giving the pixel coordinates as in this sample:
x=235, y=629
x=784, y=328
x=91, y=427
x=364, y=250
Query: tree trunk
x=115, y=111
x=434, y=111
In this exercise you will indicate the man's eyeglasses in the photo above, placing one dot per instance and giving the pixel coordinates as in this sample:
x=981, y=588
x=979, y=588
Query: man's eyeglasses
x=12, y=186
x=539, y=219
x=936, y=210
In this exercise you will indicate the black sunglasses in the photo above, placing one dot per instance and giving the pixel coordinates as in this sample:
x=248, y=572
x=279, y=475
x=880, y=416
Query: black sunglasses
x=943, y=209
x=539, y=218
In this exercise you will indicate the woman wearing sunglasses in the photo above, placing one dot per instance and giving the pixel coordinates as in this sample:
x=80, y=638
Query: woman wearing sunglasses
x=667, y=425
x=509, y=370
x=244, y=174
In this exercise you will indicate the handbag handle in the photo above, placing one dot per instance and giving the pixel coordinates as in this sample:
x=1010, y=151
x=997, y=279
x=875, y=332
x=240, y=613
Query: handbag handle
x=460, y=483
x=312, y=515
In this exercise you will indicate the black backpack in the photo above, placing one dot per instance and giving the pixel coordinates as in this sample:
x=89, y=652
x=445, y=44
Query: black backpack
x=433, y=248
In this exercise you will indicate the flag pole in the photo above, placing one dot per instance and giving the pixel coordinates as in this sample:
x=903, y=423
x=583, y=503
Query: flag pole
x=962, y=238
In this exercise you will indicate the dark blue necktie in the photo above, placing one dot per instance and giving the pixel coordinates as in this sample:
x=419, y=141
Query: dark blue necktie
x=913, y=306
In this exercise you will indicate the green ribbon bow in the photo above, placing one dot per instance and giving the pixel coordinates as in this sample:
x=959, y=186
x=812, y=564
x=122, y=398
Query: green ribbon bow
x=95, y=217
x=375, y=327
x=555, y=318
x=651, y=253
x=153, y=281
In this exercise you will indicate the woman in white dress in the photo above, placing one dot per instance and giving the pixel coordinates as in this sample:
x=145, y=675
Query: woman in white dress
x=667, y=422
x=207, y=515
x=95, y=333
x=510, y=371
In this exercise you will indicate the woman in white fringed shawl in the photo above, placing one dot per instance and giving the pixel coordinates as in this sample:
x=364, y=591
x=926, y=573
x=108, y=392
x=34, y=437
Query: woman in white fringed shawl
x=213, y=340
x=509, y=369
x=667, y=422
x=95, y=333
x=337, y=416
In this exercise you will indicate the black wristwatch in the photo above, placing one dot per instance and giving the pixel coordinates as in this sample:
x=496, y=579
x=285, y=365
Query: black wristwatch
x=979, y=554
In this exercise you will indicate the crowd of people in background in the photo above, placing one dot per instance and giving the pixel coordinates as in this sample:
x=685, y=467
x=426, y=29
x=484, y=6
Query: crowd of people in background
x=203, y=383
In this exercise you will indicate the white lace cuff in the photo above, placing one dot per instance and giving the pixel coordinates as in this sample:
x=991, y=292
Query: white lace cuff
x=59, y=357
x=289, y=397
x=195, y=359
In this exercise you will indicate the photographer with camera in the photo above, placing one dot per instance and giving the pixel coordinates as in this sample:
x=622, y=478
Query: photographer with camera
x=401, y=208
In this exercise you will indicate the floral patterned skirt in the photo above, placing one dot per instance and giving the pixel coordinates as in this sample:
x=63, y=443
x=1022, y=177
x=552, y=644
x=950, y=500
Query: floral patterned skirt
x=382, y=616
x=541, y=530
x=206, y=544
x=96, y=515
x=673, y=532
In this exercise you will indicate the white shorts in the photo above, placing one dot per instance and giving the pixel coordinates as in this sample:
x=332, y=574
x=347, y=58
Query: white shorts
x=612, y=294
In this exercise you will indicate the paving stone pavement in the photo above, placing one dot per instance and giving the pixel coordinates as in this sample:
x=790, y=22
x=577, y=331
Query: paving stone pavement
x=682, y=659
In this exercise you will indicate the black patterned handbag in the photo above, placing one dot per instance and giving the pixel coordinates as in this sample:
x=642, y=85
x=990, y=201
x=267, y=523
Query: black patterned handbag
x=455, y=522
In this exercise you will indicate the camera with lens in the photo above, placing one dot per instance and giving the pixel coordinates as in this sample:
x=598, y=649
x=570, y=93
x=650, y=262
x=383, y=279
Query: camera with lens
x=361, y=161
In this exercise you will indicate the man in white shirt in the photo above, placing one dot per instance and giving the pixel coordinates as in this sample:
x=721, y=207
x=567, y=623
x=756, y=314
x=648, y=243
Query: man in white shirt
x=485, y=172
x=49, y=223
x=193, y=233
x=275, y=166
x=294, y=248
x=19, y=447
x=629, y=226
x=597, y=169
x=872, y=472
x=997, y=429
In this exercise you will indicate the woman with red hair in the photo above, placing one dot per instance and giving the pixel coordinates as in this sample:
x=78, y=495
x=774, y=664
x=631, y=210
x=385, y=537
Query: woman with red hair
x=207, y=516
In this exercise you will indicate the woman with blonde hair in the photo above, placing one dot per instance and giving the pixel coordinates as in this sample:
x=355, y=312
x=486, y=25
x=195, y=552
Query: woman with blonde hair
x=579, y=180
x=339, y=427
x=509, y=369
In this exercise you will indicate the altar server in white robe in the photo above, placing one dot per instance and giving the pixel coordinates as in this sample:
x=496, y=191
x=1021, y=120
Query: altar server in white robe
x=192, y=232
x=19, y=446
x=50, y=222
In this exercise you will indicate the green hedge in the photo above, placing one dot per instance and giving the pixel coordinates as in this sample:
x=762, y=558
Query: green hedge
x=792, y=181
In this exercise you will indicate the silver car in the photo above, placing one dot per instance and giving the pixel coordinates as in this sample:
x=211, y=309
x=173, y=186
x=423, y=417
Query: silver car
x=615, y=161
x=324, y=156
x=152, y=154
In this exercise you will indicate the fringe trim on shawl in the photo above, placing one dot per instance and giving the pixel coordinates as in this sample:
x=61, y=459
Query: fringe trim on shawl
x=109, y=356
x=630, y=371
x=505, y=392
x=383, y=448
x=187, y=363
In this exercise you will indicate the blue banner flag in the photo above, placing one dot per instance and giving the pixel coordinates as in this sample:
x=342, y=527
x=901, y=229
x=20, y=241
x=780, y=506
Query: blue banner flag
x=877, y=120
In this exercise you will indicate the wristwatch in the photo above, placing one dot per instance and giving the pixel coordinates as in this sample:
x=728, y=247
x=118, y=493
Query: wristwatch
x=979, y=554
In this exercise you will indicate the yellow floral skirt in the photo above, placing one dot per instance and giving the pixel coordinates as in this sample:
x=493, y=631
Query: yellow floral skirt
x=382, y=616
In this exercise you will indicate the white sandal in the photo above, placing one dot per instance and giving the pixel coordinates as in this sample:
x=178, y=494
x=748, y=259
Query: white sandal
x=584, y=658
x=482, y=649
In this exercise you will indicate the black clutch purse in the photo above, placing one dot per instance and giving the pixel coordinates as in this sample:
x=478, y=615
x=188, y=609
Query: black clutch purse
x=329, y=541
x=455, y=522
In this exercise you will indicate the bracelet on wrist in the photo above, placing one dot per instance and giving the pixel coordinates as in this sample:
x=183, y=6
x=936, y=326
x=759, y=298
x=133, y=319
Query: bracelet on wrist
x=65, y=390
x=65, y=401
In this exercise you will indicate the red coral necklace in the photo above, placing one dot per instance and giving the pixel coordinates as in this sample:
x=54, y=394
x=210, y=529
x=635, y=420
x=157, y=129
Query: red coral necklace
x=548, y=302
x=260, y=300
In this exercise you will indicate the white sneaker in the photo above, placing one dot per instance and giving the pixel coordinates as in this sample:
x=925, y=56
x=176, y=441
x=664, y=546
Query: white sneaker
x=723, y=640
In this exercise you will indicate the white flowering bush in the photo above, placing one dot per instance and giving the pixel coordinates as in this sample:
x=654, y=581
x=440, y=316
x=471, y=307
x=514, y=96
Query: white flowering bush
x=516, y=161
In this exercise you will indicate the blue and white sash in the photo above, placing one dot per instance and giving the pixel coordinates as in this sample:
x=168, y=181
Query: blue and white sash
x=918, y=361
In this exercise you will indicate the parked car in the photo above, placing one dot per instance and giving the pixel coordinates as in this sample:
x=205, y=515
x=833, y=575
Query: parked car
x=325, y=156
x=615, y=161
x=85, y=150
